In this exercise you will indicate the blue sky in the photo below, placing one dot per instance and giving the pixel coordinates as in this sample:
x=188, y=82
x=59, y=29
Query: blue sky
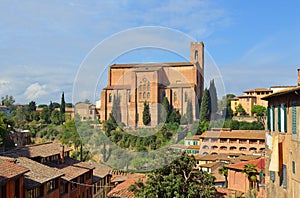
x=42, y=43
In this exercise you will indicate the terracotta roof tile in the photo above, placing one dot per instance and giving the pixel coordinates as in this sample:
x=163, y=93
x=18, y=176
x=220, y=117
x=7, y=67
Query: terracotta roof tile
x=10, y=170
x=37, y=150
x=236, y=134
x=71, y=168
x=193, y=147
x=38, y=173
x=101, y=170
x=260, y=164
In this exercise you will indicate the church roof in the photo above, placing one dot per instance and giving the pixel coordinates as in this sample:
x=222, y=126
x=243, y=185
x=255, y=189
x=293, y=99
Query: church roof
x=167, y=64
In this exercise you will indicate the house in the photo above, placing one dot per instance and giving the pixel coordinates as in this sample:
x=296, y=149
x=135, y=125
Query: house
x=129, y=86
x=86, y=111
x=101, y=180
x=238, y=182
x=235, y=141
x=11, y=178
x=283, y=141
x=40, y=180
x=20, y=137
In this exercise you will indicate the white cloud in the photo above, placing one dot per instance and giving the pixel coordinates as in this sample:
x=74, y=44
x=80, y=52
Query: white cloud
x=34, y=91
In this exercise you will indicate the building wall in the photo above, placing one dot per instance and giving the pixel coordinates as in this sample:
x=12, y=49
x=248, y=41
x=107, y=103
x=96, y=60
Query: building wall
x=287, y=152
x=236, y=145
x=10, y=187
x=178, y=83
x=237, y=181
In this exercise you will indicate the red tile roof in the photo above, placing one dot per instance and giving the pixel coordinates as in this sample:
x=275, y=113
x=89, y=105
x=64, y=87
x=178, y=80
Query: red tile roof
x=166, y=64
x=260, y=164
x=38, y=173
x=121, y=190
x=71, y=168
x=10, y=170
x=236, y=134
x=37, y=150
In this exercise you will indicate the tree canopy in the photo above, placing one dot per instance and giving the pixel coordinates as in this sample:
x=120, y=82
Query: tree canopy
x=178, y=179
x=205, y=107
x=146, y=114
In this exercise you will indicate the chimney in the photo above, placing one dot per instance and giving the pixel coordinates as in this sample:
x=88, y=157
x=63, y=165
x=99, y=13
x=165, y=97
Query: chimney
x=298, y=77
x=61, y=153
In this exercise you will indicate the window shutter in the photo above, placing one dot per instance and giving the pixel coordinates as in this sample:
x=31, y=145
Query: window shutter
x=279, y=118
x=294, y=118
x=285, y=118
x=268, y=118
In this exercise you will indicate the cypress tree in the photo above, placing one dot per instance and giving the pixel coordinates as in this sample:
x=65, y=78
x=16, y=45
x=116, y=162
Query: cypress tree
x=189, y=112
x=62, y=108
x=164, y=115
x=205, y=106
x=213, y=97
x=146, y=114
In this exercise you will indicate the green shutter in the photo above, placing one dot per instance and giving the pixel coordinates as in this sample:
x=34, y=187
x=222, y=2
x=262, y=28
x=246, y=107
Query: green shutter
x=273, y=118
x=268, y=118
x=294, y=118
x=285, y=118
x=279, y=118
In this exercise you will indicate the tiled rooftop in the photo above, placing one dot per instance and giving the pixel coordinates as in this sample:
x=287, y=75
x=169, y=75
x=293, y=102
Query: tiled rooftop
x=38, y=173
x=101, y=170
x=37, y=150
x=260, y=164
x=9, y=170
x=236, y=134
x=71, y=168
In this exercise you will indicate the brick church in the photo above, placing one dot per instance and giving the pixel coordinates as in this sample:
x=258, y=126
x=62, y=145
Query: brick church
x=130, y=85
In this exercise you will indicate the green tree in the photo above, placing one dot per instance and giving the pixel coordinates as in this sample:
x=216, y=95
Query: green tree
x=62, y=108
x=165, y=111
x=205, y=106
x=189, y=112
x=174, y=117
x=224, y=171
x=8, y=101
x=177, y=179
x=240, y=110
x=146, y=114
x=213, y=98
x=45, y=115
x=251, y=172
x=32, y=106
x=259, y=112
x=50, y=107
x=55, y=117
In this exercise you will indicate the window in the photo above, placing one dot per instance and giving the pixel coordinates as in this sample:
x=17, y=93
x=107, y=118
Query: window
x=109, y=97
x=63, y=187
x=129, y=96
x=148, y=87
x=91, y=112
x=144, y=95
x=88, y=175
x=140, y=95
x=272, y=176
x=36, y=192
x=73, y=184
x=196, y=55
x=270, y=118
x=140, y=87
x=284, y=176
x=185, y=97
x=175, y=97
x=294, y=118
x=205, y=147
x=17, y=188
x=243, y=148
x=281, y=110
x=223, y=148
x=293, y=167
x=52, y=185
x=3, y=191
x=232, y=148
x=148, y=95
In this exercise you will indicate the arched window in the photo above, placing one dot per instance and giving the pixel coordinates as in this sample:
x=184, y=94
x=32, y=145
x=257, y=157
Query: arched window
x=223, y=148
x=205, y=147
x=109, y=97
x=175, y=96
x=185, y=97
x=232, y=148
x=148, y=87
x=140, y=95
x=144, y=95
x=140, y=87
x=196, y=55
x=144, y=87
x=148, y=95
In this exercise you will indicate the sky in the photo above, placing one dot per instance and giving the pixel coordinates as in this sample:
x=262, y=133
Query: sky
x=44, y=43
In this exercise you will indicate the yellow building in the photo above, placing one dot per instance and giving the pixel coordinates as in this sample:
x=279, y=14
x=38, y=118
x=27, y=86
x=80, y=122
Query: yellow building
x=251, y=98
x=130, y=85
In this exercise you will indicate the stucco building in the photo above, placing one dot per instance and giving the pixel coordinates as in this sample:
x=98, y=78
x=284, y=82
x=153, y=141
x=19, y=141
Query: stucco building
x=283, y=141
x=130, y=85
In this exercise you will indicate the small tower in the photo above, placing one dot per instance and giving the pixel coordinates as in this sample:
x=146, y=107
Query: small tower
x=197, y=53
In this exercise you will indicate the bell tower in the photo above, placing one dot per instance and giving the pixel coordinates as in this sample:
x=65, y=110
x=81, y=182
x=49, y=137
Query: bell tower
x=197, y=53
